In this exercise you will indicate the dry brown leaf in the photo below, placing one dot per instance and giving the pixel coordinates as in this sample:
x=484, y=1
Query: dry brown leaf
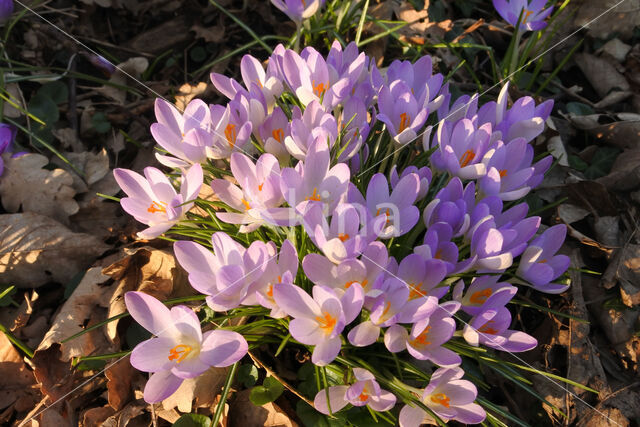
x=95, y=416
x=625, y=172
x=203, y=390
x=119, y=377
x=95, y=166
x=68, y=138
x=380, y=10
x=569, y=213
x=83, y=308
x=616, y=49
x=122, y=418
x=15, y=94
x=602, y=74
x=25, y=183
x=187, y=92
x=212, y=34
x=244, y=413
x=621, y=130
x=132, y=67
x=16, y=380
x=420, y=28
x=602, y=19
x=35, y=250
x=148, y=270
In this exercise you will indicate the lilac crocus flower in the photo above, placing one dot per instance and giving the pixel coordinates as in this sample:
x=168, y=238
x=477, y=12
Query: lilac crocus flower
x=484, y=293
x=319, y=321
x=533, y=14
x=153, y=201
x=179, y=349
x=540, y=266
x=449, y=396
x=354, y=126
x=351, y=230
x=402, y=111
x=274, y=130
x=280, y=269
x=508, y=170
x=6, y=9
x=427, y=336
x=452, y=205
x=420, y=275
x=490, y=328
x=298, y=10
x=260, y=190
x=231, y=130
x=465, y=106
x=7, y=136
x=368, y=272
x=365, y=391
x=314, y=123
x=225, y=274
x=438, y=245
x=185, y=136
x=461, y=148
x=392, y=307
x=424, y=173
x=397, y=208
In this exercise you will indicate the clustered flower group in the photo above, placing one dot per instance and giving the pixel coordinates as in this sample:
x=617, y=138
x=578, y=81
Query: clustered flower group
x=421, y=254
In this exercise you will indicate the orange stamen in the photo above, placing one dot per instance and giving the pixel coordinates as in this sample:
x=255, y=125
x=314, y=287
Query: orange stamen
x=362, y=283
x=278, y=134
x=319, y=89
x=527, y=14
x=363, y=397
x=405, y=121
x=421, y=340
x=503, y=173
x=260, y=187
x=438, y=254
x=480, y=297
x=179, y=352
x=466, y=158
x=486, y=329
x=326, y=322
x=315, y=196
x=157, y=207
x=441, y=399
x=416, y=291
x=343, y=237
x=386, y=213
x=246, y=204
x=230, y=134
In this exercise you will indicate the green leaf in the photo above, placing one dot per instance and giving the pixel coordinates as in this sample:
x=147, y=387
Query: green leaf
x=57, y=91
x=437, y=11
x=417, y=4
x=311, y=417
x=248, y=374
x=269, y=391
x=577, y=163
x=44, y=108
x=579, y=109
x=198, y=54
x=5, y=295
x=100, y=123
x=602, y=162
x=193, y=420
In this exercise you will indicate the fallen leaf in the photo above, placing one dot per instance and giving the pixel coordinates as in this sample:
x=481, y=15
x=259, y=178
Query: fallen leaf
x=602, y=74
x=244, y=413
x=625, y=172
x=569, y=213
x=212, y=34
x=26, y=184
x=203, y=390
x=556, y=147
x=119, y=377
x=132, y=67
x=68, y=138
x=187, y=92
x=94, y=166
x=95, y=416
x=122, y=418
x=15, y=94
x=617, y=49
x=419, y=26
x=35, y=250
x=16, y=380
x=606, y=17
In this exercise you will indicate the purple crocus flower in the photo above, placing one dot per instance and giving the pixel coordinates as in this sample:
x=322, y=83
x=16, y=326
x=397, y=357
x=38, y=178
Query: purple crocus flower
x=461, y=148
x=465, y=106
x=508, y=171
x=179, y=349
x=319, y=321
x=365, y=391
x=490, y=328
x=533, y=14
x=274, y=130
x=484, y=293
x=424, y=173
x=260, y=190
x=280, y=269
x=225, y=274
x=368, y=272
x=231, y=130
x=185, y=136
x=152, y=200
x=354, y=126
x=6, y=9
x=450, y=397
x=452, y=205
x=427, y=336
x=402, y=111
x=7, y=136
x=420, y=275
x=298, y=10
x=397, y=208
x=314, y=123
x=438, y=245
x=540, y=266
x=102, y=63
x=392, y=307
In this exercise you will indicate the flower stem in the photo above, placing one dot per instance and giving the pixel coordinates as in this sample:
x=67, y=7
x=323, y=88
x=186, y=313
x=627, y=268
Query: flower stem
x=225, y=393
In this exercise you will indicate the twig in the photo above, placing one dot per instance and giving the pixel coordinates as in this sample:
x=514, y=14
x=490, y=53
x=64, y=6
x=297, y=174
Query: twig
x=279, y=378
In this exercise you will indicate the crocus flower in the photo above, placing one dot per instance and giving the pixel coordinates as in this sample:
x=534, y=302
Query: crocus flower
x=424, y=173
x=438, y=245
x=260, y=190
x=319, y=321
x=351, y=230
x=420, y=275
x=465, y=106
x=540, y=266
x=402, y=111
x=365, y=391
x=452, y=205
x=449, y=396
x=484, y=293
x=461, y=148
x=274, y=130
x=6, y=9
x=7, y=135
x=231, y=129
x=490, y=328
x=508, y=171
x=179, y=350
x=314, y=123
x=152, y=200
x=397, y=208
x=533, y=14
x=102, y=63
x=427, y=336
x=279, y=269
x=368, y=272
x=298, y=10
x=225, y=274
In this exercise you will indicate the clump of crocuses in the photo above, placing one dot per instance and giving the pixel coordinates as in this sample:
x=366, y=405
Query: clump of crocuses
x=333, y=249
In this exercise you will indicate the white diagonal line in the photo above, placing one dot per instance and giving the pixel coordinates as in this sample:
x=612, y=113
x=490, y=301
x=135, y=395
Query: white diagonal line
x=463, y=106
x=492, y=339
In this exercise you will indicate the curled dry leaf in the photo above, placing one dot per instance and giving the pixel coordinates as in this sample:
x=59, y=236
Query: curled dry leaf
x=119, y=376
x=94, y=166
x=16, y=380
x=148, y=270
x=625, y=172
x=419, y=29
x=602, y=74
x=187, y=92
x=605, y=17
x=203, y=389
x=132, y=67
x=26, y=184
x=621, y=130
x=243, y=413
x=35, y=250
x=95, y=416
x=127, y=414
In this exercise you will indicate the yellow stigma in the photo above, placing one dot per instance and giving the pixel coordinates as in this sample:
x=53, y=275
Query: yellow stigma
x=527, y=14
x=421, y=340
x=343, y=237
x=326, y=322
x=315, y=196
x=157, y=207
x=320, y=88
x=441, y=399
x=416, y=291
x=246, y=204
x=179, y=352
x=479, y=297
x=466, y=158
x=486, y=329
x=230, y=134
x=405, y=121
x=278, y=134
x=503, y=173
